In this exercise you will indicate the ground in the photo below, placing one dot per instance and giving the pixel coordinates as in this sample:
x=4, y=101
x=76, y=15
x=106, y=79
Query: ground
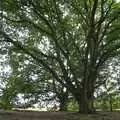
x=29, y=115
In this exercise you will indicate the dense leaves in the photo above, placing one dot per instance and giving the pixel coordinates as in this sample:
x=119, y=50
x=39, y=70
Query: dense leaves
x=70, y=41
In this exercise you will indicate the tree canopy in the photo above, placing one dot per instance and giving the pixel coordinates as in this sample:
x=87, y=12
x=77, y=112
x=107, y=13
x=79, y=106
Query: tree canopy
x=70, y=40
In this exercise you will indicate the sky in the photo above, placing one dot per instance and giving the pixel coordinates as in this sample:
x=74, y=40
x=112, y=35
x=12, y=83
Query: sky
x=118, y=0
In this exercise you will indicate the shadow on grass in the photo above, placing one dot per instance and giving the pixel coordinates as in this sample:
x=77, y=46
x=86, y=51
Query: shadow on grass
x=3, y=117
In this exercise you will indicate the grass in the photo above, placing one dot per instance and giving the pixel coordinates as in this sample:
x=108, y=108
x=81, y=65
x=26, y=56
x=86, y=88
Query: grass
x=25, y=115
x=3, y=117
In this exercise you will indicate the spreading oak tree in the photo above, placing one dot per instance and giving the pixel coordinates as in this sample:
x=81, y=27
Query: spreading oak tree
x=72, y=40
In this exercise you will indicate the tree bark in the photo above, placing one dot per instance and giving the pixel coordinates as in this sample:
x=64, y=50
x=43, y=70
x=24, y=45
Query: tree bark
x=110, y=102
x=63, y=100
x=63, y=106
x=85, y=102
x=86, y=106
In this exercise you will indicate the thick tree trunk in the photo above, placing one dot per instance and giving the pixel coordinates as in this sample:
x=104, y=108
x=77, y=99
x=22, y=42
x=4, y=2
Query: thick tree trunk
x=85, y=102
x=86, y=106
x=83, y=106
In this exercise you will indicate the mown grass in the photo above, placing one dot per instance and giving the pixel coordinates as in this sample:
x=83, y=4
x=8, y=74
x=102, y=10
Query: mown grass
x=3, y=117
x=57, y=116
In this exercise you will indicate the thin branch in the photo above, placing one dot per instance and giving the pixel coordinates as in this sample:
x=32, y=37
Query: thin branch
x=41, y=16
x=28, y=21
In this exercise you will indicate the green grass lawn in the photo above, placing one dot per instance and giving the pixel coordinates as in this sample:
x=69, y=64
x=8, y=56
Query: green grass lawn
x=3, y=117
x=57, y=116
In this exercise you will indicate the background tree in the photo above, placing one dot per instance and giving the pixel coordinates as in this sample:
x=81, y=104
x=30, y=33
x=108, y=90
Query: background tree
x=107, y=95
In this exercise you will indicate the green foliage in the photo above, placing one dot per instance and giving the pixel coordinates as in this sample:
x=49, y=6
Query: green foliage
x=72, y=105
x=68, y=42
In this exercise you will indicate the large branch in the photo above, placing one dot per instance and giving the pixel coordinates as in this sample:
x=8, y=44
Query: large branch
x=64, y=51
x=94, y=9
x=52, y=29
x=52, y=35
x=68, y=84
x=22, y=47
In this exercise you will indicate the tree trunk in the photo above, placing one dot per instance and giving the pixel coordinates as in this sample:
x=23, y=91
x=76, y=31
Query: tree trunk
x=63, y=106
x=110, y=102
x=63, y=100
x=85, y=103
x=83, y=106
